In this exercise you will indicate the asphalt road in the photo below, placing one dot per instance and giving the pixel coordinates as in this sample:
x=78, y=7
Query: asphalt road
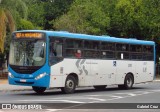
x=143, y=97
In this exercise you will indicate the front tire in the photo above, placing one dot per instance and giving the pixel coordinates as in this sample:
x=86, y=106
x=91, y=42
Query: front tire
x=39, y=90
x=70, y=85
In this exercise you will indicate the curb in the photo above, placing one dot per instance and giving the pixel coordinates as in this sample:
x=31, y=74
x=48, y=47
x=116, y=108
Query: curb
x=17, y=90
x=156, y=80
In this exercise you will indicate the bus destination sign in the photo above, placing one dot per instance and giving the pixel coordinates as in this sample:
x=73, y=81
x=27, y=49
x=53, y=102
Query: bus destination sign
x=35, y=35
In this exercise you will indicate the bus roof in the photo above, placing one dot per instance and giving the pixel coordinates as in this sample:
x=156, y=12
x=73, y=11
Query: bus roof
x=92, y=37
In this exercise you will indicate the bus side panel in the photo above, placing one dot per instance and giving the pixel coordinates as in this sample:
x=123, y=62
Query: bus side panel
x=103, y=72
x=123, y=68
x=150, y=71
x=56, y=76
x=61, y=70
x=144, y=71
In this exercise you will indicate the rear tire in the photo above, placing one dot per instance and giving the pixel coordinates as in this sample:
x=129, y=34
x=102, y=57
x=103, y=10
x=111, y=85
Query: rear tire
x=70, y=85
x=102, y=87
x=128, y=82
x=39, y=90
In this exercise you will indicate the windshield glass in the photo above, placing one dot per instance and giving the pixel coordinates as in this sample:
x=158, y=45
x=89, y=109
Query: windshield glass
x=27, y=52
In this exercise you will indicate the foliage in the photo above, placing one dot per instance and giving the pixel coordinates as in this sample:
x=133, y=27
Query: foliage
x=84, y=17
x=131, y=19
x=121, y=18
x=25, y=25
x=53, y=9
x=36, y=13
x=9, y=16
x=5, y=19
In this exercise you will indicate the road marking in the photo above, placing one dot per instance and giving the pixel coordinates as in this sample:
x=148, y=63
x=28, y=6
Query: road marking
x=53, y=110
x=93, y=95
x=116, y=97
x=68, y=101
x=95, y=98
x=155, y=90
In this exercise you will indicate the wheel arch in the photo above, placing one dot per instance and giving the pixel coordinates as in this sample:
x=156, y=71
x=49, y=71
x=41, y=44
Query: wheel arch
x=75, y=76
x=130, y=73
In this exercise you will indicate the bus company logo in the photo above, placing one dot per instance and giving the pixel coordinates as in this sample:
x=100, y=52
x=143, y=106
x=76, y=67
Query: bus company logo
x=114, y=63
x=6, y=106
x=81, y=67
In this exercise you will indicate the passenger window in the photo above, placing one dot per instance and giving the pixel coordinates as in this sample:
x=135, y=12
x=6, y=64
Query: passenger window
x=107, y=46
x=73, y=43
x=73, y=48
x=148, y=49
x=91, y=49
x=56, y=50
x=136, y=52
x=148, y=53
x=122, y=47
x=122, y=51
x=107, y=50
x=136, y=48
x=91, y=45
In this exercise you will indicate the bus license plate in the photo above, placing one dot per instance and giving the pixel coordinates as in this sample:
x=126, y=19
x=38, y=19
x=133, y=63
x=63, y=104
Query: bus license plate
x=22, y=80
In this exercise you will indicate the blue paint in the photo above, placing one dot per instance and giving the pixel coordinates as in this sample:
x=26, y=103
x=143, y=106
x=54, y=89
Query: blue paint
x=92, y=37
x=30, y=81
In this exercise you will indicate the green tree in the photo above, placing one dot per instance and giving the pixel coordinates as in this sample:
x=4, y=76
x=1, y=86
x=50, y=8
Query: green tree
x=135, y=18
x=6, y=19
x=53, y=9
x=152, y=18
x=127, y=18
x=25, y=25
x=36, y=13
x=84, y=17
x=10, y=12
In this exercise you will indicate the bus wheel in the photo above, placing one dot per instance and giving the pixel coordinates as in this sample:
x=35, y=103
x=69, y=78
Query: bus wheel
x=128, y=82
x=70, y=85
x=39, y=90
x=102, y=87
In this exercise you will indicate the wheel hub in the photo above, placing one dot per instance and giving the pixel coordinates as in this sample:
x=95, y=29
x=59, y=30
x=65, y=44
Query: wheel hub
x=70, y=84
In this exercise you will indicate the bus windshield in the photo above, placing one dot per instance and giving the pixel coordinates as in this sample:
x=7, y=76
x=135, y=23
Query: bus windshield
x=27, y=52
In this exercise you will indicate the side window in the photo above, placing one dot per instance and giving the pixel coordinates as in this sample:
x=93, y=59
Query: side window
x=148, y=53
x=122, y=51
x=91, y=49
x=73, y=48
x=55, y=50
x=92, y=45
x=107, y=50
x=73, y=43
x=136, y=52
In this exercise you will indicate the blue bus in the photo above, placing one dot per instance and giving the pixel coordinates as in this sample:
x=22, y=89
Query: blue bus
x=44, y=59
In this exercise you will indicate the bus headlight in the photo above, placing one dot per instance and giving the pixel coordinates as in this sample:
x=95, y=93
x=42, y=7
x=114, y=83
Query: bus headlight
x=41, y=75
x=10, y=75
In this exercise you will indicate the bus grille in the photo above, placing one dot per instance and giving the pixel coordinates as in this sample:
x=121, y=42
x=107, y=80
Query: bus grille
x=25, y=69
